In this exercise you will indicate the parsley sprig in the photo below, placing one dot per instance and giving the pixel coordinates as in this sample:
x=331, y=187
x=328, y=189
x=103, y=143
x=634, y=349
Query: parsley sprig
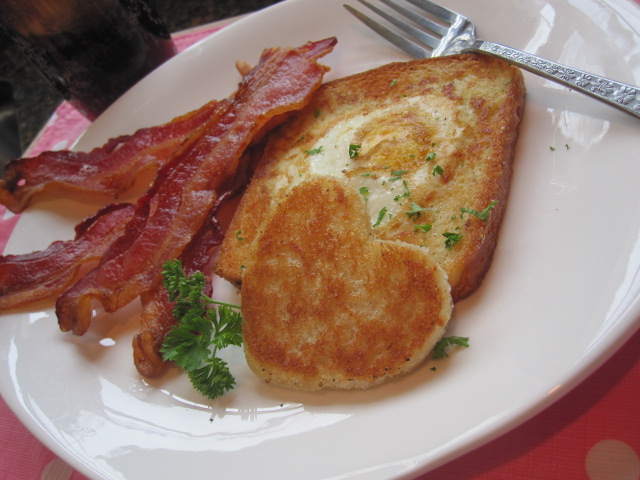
x=354, y=150
x=314, y=151
x=381, y=214
x=483, y=215
x=440, y=348
x=416, y=210
x=451, y=239
x=201, y=331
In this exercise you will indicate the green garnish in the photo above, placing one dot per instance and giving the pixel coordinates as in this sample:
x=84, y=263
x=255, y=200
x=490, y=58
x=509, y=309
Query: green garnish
x=314, y=151
x=405, y=194
x=393, y=82
x=430, y=157
x=397, y=175
x=381, y=214
x=424, y=228
x=451, y=239
x=405, y=185
x=364, y=191
x=354, y=150
x=200, y=332
x=239, y=235
x=416, y=210
x=440, y=349
x=483, y=215
x=437, y=169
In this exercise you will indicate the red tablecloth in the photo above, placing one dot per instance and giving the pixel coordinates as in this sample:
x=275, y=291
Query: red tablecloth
x=592, y=433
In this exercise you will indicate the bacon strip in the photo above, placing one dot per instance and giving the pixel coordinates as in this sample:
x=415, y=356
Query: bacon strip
x=45, y=274
x=184, y=192
x=108, y=170
x=157, y=316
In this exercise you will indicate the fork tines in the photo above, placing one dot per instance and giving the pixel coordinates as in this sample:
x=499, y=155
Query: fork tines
x=425, y=26
x=426, y=31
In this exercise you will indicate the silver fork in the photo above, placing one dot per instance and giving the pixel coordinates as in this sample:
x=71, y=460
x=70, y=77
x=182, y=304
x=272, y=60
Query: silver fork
x=432, y=30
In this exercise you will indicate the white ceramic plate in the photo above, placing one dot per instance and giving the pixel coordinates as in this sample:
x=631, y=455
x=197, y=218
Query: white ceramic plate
x=562, y=294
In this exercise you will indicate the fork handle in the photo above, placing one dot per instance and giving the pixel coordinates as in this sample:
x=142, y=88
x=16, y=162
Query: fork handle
x=620, y=95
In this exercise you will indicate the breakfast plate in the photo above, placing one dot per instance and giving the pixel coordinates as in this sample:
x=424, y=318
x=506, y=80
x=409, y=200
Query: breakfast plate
x=562, y=294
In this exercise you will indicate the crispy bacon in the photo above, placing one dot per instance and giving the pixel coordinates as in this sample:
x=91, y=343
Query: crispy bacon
x=45, y=274
x=108, y=170
x=175, y=208
x=157, y=316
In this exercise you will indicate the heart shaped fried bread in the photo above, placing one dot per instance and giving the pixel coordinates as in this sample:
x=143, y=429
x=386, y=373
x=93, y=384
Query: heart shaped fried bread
x=326, y=304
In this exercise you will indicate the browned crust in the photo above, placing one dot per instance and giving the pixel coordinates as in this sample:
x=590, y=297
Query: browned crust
x=502, y=132
x=327, y=305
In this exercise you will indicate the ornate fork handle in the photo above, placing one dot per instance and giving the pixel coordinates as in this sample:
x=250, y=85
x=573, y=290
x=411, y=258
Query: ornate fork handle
x=619, y=95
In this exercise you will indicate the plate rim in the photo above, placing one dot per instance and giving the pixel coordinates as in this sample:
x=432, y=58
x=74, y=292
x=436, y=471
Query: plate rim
x=571, y=379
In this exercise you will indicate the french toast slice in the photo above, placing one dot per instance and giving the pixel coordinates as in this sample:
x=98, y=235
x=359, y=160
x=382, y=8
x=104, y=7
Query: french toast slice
x=428, y=143
x=326, y=304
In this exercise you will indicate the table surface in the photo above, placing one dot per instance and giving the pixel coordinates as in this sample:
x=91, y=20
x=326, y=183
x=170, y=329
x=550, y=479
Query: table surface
x=591, y=433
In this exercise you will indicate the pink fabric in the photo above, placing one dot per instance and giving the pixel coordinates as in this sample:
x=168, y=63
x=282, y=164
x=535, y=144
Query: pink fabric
x=592, y=433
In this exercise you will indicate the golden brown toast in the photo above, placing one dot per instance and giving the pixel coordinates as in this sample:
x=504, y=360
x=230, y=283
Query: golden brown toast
x=423, y=141
x=326, y=304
